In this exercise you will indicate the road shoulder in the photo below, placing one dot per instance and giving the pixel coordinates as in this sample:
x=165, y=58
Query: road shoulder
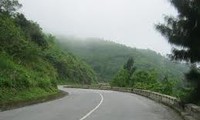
x=19, y=104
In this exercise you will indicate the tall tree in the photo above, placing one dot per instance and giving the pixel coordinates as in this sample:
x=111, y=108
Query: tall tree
x=183, y=31
x=194, y=77
x=123, y=77
x=129, y=66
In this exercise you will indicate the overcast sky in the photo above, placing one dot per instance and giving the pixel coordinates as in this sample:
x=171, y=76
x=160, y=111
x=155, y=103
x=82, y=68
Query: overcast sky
x=130, y=22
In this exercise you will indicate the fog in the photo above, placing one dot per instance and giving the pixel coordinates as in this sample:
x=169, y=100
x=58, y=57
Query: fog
x=129, y=22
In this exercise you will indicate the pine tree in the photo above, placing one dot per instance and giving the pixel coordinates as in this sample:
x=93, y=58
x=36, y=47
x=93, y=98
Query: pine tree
x=183, y=31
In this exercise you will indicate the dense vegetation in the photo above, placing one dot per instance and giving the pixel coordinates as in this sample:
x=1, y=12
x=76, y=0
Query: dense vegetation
x=31, y=63
x=129, y=76
x=70, y=69
x=183, y=31
x=106, y=58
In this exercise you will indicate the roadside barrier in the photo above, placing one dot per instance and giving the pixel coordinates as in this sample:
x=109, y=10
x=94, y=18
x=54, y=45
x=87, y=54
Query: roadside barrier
x=187, y=111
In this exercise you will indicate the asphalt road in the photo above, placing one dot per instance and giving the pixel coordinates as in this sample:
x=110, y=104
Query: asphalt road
x=84, y=104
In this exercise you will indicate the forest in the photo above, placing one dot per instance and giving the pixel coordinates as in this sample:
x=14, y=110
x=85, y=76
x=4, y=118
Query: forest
x=106, y=58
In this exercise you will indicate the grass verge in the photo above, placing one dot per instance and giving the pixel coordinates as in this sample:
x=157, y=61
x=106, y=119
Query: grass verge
x=11, y=99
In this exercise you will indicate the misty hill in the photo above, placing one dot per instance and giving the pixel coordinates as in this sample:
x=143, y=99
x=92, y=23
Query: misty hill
x=106, y=57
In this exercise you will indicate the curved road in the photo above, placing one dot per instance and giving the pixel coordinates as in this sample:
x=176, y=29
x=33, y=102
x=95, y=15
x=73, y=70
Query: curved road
x=84, y=104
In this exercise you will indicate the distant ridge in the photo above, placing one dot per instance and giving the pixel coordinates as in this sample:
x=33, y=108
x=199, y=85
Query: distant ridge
x=106, y=57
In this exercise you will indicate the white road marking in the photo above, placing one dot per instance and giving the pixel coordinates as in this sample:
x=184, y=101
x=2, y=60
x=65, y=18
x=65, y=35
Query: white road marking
x=84, y=117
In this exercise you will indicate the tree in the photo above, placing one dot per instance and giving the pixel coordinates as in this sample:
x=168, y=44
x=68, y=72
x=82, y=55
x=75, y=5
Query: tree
x=129, y=66
x=183, y=32
x=194, y=77
x=167, y=85
x=9, y=6
x=123, y=77
x=145, y=80
x=32, y=30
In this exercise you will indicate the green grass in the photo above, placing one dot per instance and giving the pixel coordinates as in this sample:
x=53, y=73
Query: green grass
x=12, y=96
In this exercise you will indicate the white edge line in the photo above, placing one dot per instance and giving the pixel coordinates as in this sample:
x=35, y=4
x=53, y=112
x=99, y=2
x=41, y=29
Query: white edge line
x=84, y=117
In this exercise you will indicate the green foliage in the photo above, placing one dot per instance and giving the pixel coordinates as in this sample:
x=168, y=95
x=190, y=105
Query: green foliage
x=14, y=76
x=167, y=86
x=129, y=66
x=69, y=67
x=31, y=30
x=123, y=77
x=193, y=76
x=30, y=61
x=183, y=32
x=154, y=72
x=13, y=96
x=10, y=37
x=147, y=80
x=106, y=58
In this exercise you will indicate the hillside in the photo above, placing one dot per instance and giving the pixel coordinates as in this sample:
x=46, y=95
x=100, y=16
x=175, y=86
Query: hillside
x=31, y=63
x=106, y=57
x=70, y=69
